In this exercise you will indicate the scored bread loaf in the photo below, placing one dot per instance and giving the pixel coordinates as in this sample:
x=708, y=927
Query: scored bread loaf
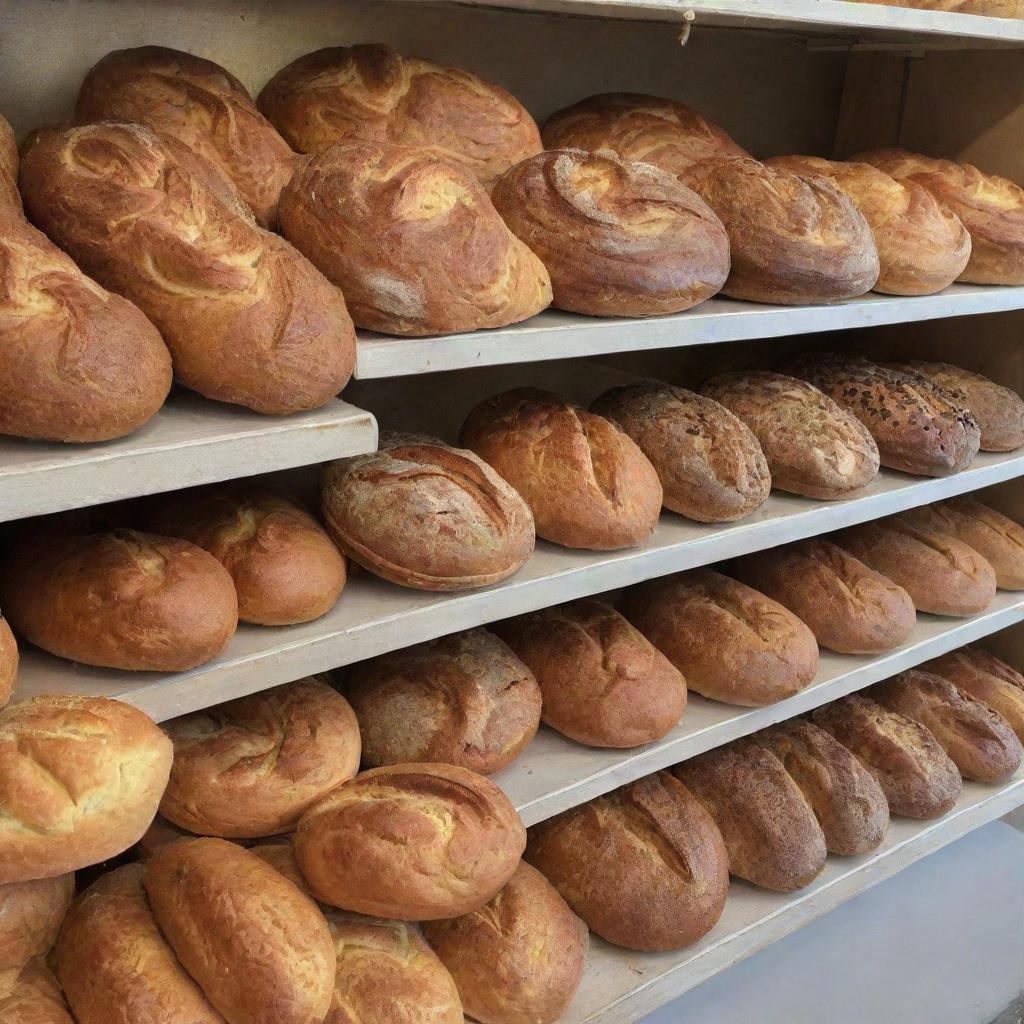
x=31, y=995
x=987, y=678
x=710, y=464
x=8, y=661
x=31, y=914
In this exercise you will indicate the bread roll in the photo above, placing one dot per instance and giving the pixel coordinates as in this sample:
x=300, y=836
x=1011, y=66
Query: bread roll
x=730, y=642
x=645, y=866
x=849, y=608
x=987, y=678
x=586, y=481
x=31, y=995
x=845, y=797
x=80, y=780
x=284, y=566
x=31, y=914
x=989, y=8
x=412, y=841
x=8, y=662
x=603, y=682
x=372, y=93
x=413, y=242
x=253, y=766
x=247, y=319
x=120, y=599
x=941, y=574
x=259, y=948
x=710, y=465
x=10, y=199
x=517, y=960
x=618, y=238
x=200, y=104
x=918, y=427
x=427, y=516
x=813, y=446
x=922, y=247
x=918, y=778
x=463, y=699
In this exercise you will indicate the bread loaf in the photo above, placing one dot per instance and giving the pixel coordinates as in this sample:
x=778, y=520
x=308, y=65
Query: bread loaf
x=80, y=780
x=260, y=950
x=813, y=446
x=644, y=866
x=31, y=995
x=10, y=199
x=463, y=699
x=922, y=246
x=918, y=778
x=412, y=841
x=987, y=678
x=280, y=855
x=247, y=319
x=517, y=960
x=31, y=914
x=731, y=643
x=8, y=662
x=427, y=516
x=587, y=483
x=602, y=682
x=710, y=465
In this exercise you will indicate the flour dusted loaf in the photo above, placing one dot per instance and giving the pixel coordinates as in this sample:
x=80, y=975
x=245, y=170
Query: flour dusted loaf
x=8, y=661
x=982, y=675
x=31, y=914
x=31, y=995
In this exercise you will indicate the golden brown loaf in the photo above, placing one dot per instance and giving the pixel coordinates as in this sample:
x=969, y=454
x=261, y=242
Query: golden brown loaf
x=463, y=699
x=731, y=643
x=427, y=516
x=517, y=960
x=922, y=246
x=8, y=661
x=247, y=318
x=259, y=948
x=603, y=682
x=618, y=238
x=845, y=797
x=710, y=465
x=915, y=773
x=413, y=841
x=285, y=567
x=253, y=766
x=200, y=104
x=414, y=243
x=586, y=481
x=279, y=853
x=370, y=92
x=80, y=780
x=10, y=199
x=813, y=446
x=982, y=675
x=849, y=608
x=31, y=914
x=31, y=995
x=645, y=866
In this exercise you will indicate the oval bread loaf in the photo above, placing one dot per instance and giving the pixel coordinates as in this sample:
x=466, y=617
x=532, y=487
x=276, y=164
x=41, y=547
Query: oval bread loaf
x=31, y=914
x=982, y=675
x=8, y=661
x=31, y=995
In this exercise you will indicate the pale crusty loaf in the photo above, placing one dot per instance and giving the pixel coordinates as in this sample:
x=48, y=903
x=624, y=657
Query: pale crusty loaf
x=414, y=242
x=645, y=866
x=463, y=699
x=731, y=643
x=520, y=958
x=813, y=446
x=603, y=682
x=8, y=661
x=80, y=780
x=31, y=914
x=709, y=462
x=31, y=995
x=989, y=679
x=586, y=481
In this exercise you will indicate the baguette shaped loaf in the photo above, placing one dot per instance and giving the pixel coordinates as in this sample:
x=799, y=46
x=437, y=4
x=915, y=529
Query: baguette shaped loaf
x=31, y=995
x=987, y=678
x=10, y=198
x=31, y=914
x=8, y=661
x=247, y=318
x=988, y=8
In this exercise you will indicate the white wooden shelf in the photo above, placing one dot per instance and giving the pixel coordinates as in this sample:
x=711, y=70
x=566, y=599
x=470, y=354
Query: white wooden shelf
x=620, y=986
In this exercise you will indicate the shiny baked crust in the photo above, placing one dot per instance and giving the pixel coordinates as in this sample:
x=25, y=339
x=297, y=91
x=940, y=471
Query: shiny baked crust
x=982, y=675
x=31, y=914
x=31, y=995
x=8, y=662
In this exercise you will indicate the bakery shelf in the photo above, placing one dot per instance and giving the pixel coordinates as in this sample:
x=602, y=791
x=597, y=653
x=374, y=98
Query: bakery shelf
x=620, y=986
x=189, y=441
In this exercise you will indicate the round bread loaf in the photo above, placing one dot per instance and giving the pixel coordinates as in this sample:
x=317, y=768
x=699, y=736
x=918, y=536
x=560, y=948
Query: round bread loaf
x=120, y=599
x=10, y=198
x=253, y=766
x=709, y=462
x=941, y=574
x=922, y=246
x=31, y=995
x=618, y=238
x=847, y=606
x=603, y=682
x=645, y=866
x=8, y=662
x=259, y=948
x=813, y=446
x=517, y=960
x=427, y=516
x=731, y=643
x=80, y=780
x=915, y=773
x=31, y=914
x=414, y=242
x=411, y=841
x=463, y=699
x=370, y=92
x=586, y=481
x=987, y=678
